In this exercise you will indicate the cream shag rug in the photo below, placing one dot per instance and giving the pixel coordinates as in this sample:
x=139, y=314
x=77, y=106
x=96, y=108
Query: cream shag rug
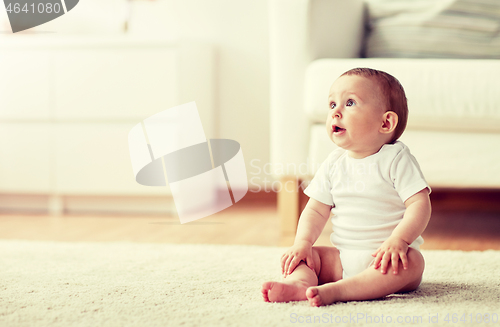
x=134, y=284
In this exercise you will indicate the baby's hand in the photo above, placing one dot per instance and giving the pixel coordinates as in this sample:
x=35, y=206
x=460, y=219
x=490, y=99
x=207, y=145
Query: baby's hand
x=391, y=250
x=300, y=251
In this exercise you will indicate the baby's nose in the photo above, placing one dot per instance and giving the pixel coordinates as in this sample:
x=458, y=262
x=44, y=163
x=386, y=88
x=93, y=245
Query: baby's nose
x=336, y=114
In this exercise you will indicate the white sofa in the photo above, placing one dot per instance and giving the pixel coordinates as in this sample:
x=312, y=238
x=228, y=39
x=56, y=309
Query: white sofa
x=454, y=123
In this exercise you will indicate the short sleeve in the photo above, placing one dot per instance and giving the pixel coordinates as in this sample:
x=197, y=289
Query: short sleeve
x=406, y=175
x=320, y=187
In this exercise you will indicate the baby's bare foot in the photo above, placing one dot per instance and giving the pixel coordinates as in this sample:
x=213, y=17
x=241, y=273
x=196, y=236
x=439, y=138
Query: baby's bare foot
x=284, y=292
x=320, y=295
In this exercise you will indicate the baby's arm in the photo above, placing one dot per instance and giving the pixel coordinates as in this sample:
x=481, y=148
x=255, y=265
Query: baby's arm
x=311, y=224
x=415, y=219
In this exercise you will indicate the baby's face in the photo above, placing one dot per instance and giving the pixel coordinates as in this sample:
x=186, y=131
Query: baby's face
x=356, y=115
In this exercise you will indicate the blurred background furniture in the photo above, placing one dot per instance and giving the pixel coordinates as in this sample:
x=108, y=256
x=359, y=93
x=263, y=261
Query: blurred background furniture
x=115, y=40
x=445, y=54
x=68, y=105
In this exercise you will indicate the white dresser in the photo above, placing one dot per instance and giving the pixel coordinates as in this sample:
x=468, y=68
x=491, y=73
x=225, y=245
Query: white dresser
x=67, y=105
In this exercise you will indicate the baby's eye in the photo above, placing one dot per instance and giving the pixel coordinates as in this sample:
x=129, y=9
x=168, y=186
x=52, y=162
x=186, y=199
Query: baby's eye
x=332, y=105
x=350, y=103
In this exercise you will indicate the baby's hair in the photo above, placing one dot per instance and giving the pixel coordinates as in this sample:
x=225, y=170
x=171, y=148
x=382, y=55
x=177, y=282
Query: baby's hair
x=393, y=93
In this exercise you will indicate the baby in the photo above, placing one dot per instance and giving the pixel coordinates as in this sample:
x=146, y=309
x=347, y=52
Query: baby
x=377, y=194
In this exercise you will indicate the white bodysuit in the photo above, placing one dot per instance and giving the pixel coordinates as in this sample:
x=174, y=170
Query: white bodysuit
x=367, y=197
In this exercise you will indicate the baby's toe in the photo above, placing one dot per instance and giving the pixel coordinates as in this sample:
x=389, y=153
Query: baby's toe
x=313, y=296
x=266, y=287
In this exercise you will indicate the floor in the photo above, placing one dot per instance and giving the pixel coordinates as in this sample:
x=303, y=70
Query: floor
x=460, y=221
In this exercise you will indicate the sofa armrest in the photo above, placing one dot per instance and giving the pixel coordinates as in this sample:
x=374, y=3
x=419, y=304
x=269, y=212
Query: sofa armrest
x=300, y=32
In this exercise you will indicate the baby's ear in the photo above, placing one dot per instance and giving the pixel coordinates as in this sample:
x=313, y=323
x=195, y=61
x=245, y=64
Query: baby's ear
x=389, y=122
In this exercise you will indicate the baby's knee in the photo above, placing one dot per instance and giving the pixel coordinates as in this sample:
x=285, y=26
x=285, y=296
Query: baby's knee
x=316, y=258
x=325, y=253
x=415, y=271
x=416, y=261
x=327, y=263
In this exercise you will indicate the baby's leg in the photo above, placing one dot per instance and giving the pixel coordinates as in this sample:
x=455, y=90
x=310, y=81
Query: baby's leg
x=293, y=288
x=370, y=284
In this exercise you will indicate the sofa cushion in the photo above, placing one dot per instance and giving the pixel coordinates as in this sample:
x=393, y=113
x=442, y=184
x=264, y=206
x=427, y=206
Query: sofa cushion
x=443, y=94
x=433, y=29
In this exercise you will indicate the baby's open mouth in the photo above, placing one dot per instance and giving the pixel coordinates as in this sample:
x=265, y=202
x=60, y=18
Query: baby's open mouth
x=337, y=129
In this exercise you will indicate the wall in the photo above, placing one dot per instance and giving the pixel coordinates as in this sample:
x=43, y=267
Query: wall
x=239, y=30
